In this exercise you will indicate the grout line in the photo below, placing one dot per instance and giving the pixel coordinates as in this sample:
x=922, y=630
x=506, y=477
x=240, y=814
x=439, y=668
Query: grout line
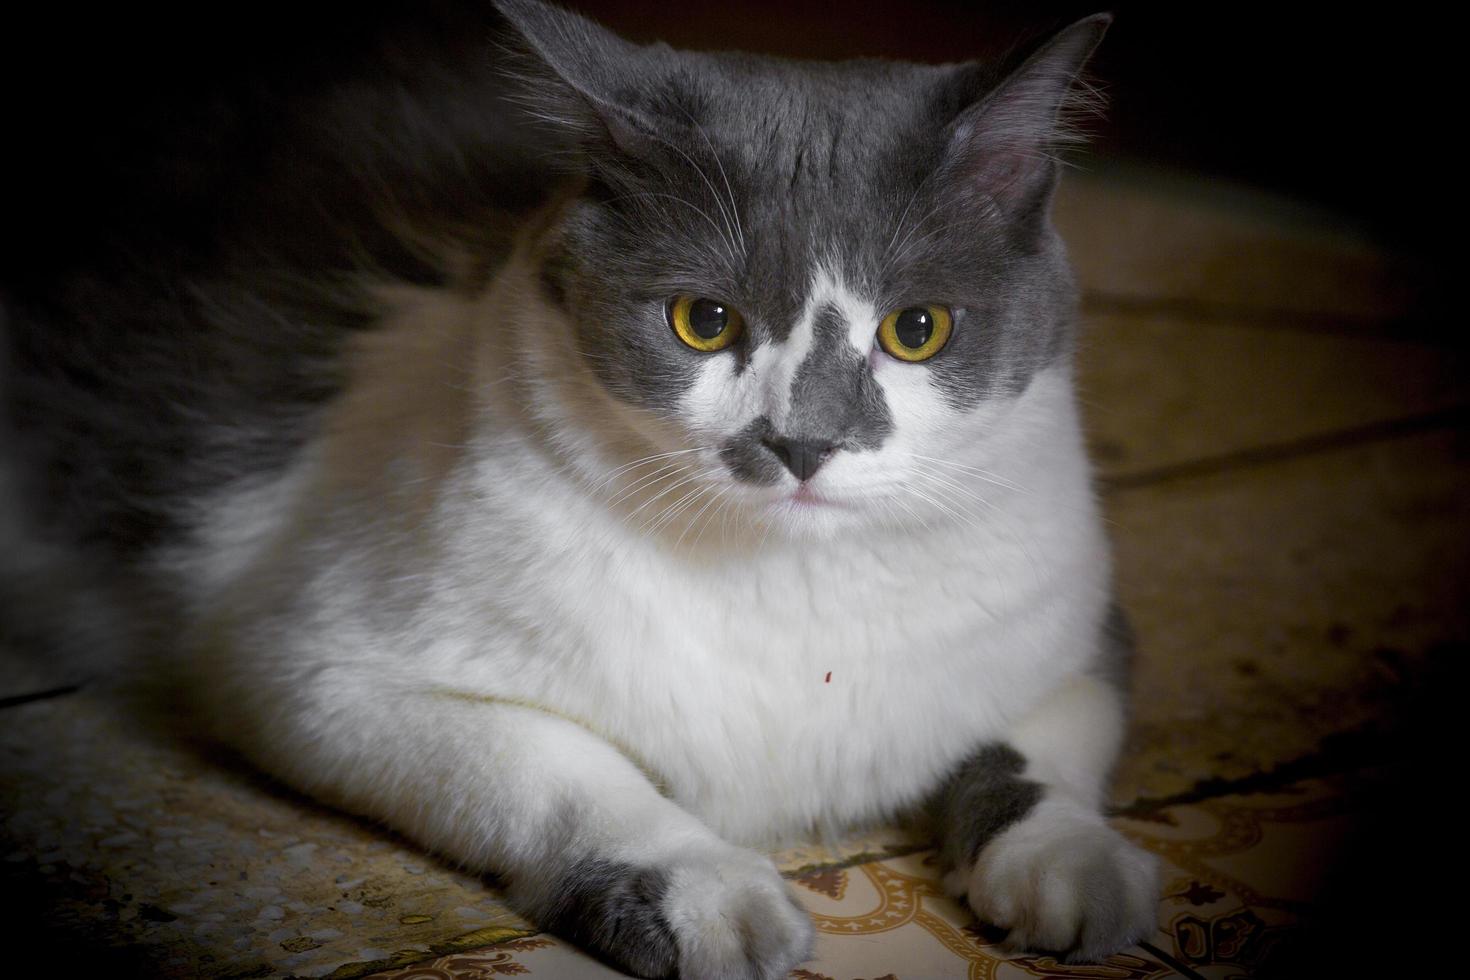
x=1405, y=328
x=55, y=692
x=867, y=857
x=1343, y=752
x=1306, y=446
x=1171, y=962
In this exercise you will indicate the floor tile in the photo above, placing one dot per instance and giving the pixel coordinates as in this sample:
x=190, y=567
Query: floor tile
x=1159, y=391
x=1279, y=604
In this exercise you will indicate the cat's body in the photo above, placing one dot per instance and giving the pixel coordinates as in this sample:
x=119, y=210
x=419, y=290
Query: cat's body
x=718, y=648
x=569, y=598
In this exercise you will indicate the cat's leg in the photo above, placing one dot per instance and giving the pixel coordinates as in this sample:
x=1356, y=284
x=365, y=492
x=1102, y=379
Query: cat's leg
x=1024, y=840
x=585, y=844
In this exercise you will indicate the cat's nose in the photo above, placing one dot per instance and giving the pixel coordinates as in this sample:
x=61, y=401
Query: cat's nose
x=802, y=457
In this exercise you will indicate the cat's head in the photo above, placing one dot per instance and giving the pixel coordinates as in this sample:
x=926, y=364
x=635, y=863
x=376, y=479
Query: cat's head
x=817, y=287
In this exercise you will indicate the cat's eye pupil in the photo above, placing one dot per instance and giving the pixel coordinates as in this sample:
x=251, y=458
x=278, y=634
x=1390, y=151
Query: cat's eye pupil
x=708, y=318
x=914, y=327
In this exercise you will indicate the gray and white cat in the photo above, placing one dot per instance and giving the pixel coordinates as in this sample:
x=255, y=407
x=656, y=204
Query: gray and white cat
x=674, y=458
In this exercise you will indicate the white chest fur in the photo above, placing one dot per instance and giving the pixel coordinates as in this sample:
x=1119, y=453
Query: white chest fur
x=709, y=667
x=804, y=685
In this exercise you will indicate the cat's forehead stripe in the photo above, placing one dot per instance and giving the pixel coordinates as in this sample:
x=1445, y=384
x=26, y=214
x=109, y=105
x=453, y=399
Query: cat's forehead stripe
x=833, y=396
x=780, y=362
x=829, y=291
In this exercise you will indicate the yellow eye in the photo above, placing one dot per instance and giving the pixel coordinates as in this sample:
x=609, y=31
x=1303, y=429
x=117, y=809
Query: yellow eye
x=915, y=333
x=705, y=324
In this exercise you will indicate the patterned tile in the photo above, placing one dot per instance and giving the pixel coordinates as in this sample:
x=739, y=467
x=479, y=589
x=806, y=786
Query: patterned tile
x=1239, y=872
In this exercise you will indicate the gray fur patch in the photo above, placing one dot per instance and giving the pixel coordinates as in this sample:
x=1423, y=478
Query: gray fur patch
x=834, y=397
x=746, y=454
x=614, y=910
x=984, y=797
x=1117, y=646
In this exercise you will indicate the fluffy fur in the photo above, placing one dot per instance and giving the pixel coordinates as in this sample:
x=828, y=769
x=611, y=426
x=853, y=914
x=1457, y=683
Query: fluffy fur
x=506, y=566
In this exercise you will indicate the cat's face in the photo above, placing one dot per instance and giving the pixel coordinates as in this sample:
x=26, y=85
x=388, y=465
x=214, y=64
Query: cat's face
x=822, y=286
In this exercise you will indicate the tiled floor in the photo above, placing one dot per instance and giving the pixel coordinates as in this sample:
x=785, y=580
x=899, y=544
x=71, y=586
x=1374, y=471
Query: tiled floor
x=1285, y=468
x=1281, y=437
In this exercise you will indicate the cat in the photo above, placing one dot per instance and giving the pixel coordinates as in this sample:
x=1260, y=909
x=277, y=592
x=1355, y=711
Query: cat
x=595, y=461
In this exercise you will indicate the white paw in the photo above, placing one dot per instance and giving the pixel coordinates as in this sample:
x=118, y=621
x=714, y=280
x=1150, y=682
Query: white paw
x=733, y=917
x=1063, y=881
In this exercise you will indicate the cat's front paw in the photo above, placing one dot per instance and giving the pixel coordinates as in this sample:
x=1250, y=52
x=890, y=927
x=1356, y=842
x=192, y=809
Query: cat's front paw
x=734, y=917
x=707, y=914
x=1062, y=881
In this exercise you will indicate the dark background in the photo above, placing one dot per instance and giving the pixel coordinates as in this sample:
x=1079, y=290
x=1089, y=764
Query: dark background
x=1339, y=109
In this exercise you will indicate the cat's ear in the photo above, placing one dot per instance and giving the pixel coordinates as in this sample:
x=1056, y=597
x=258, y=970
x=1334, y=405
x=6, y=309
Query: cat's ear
x=1001, y=149
x=569, y=73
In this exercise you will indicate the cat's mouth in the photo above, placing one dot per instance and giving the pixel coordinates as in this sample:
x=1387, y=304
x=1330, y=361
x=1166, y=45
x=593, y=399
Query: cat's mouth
x=805, y=512
x=805, y=496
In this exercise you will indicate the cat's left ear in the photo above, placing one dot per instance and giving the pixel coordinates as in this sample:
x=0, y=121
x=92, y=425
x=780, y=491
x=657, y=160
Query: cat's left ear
x=570, y=72
x=1001, y=150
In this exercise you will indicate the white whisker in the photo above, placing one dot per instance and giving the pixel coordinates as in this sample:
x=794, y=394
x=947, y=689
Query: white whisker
x=952, y=485
x=987, y=475
x=720, y=493
x=671, y=512
x=645, y=481
x=640, y=461
x=665, y=492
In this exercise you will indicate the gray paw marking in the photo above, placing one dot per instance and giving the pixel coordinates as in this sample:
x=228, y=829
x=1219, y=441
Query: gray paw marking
x=707, y=914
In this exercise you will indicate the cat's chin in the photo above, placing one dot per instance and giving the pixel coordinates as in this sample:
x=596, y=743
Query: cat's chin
x=807, y=514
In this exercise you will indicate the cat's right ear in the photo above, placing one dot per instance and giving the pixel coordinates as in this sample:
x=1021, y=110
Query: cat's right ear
x=567, y=72
x=1001, y=149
